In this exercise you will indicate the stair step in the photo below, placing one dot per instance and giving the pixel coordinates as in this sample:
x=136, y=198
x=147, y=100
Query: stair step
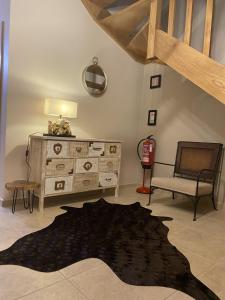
x=124, y=22
x=95, y=10
x=138, y=45
x=103, y=3
x=119, y=5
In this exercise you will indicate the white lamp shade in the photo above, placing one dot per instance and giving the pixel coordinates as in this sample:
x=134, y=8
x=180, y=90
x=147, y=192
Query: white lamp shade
x=58, y=107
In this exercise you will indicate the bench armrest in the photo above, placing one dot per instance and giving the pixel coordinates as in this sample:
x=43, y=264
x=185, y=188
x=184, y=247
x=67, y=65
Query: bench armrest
x=164, y=164
x=205, y=172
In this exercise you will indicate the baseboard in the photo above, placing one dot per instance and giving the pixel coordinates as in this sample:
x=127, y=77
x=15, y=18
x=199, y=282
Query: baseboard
x=1, y=201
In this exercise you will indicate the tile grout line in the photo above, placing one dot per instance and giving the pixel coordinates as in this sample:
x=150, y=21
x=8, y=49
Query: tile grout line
x=81, y=272
x=174, y=293
x=39, y=289
x=85, y=296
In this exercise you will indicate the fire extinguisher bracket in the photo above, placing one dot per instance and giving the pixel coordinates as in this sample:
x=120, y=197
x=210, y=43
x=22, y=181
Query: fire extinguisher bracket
x=146, y=166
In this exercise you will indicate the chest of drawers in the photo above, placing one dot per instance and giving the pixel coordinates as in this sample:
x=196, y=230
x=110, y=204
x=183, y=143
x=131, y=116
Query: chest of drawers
x=66, y=166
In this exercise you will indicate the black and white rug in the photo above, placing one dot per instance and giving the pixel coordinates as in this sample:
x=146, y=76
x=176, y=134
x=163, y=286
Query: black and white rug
x=131, y=241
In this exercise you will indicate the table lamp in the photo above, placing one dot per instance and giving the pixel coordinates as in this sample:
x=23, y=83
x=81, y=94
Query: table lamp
x=62, y=109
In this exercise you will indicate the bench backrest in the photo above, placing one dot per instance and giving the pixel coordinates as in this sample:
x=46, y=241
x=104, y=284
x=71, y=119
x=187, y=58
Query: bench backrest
x=192, y=157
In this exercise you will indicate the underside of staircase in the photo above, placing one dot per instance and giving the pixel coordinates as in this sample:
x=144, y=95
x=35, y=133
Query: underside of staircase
x=136, y=26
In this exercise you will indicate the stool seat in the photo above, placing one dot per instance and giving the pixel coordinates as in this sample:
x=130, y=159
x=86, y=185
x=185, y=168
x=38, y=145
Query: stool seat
x=23, y=186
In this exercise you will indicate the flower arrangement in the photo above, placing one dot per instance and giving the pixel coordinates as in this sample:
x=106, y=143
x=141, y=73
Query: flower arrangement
x=59, y=127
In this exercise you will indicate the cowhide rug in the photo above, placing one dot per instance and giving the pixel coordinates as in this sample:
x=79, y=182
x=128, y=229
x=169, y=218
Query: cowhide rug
x=131, y=241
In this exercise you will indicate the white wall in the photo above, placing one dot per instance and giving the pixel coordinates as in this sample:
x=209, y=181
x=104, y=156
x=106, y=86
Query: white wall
x=51, y=42
x=5, y=17
x=185, y=112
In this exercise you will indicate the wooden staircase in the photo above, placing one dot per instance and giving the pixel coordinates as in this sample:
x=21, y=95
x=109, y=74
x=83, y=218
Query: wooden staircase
x=136, y=26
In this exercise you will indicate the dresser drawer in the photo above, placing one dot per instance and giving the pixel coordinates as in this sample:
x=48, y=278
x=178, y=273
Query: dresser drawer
x=58, y=149
x=86, y=165
x=79, y=149
x=59, y=167
x=96, y=149
x=86, y=182
x=109, y=164
x=113, y=149
x=58, y=185
x=108, y=179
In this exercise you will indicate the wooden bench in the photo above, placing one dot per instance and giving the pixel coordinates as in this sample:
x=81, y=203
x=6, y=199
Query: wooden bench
x=195, y=173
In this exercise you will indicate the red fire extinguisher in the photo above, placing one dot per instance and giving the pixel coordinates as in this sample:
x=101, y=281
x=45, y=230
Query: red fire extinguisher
x=147, y=158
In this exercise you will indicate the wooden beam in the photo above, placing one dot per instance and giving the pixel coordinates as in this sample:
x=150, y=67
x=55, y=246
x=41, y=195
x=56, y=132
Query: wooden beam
x=208, y=27
x=171, y=18
x=152, y=28
x=188, y=22
x=198, y=68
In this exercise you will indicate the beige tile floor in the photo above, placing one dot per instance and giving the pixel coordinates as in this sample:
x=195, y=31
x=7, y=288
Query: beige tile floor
x=202, y=242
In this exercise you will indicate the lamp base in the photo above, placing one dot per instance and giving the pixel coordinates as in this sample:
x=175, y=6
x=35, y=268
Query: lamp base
x=59, y=135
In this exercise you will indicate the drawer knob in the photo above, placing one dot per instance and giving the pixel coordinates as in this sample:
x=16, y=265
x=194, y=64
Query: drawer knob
x=78, y=149
x=86, y=182
x=108, y=179
x=60, y=167
x=109, y=164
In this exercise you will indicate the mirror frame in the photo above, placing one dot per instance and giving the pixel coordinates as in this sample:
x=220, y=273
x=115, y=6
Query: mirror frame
x=95, y=63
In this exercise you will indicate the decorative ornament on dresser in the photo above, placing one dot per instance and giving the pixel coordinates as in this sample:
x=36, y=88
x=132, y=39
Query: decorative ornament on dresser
x=68, y=165
x=60, y=108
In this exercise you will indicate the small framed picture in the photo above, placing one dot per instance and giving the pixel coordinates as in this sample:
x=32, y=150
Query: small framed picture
x=155, y=81
x=152, y=117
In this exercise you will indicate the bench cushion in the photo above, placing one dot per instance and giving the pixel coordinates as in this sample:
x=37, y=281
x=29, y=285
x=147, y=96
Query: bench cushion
x=182, y=185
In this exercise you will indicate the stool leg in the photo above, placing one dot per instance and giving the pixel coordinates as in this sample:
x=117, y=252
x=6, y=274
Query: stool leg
x=28, y=199
x=32, y=202
x=15, y=192
x=25, y=201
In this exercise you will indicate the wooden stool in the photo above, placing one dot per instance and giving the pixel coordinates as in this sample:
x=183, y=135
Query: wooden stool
x=23, y=185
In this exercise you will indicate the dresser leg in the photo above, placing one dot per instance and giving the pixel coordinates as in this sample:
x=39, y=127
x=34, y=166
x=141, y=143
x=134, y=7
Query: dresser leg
x=117, y=192
x=41, y=204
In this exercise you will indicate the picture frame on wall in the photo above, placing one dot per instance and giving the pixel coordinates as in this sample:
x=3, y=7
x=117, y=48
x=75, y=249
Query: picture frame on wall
x=152, y=117
x=155, y=81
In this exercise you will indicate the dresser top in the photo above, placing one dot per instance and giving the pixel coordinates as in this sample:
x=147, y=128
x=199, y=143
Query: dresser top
x=55, y=138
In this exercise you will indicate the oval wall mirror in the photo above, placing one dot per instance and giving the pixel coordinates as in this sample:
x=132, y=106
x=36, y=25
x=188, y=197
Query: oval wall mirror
x=94, y=79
